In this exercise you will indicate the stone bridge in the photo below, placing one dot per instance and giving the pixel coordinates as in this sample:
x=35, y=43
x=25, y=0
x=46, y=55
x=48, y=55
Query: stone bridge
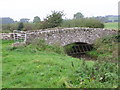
x=65, y=36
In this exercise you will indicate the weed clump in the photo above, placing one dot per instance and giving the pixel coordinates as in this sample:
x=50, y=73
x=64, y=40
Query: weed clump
x=98, y=75
x=106, y=49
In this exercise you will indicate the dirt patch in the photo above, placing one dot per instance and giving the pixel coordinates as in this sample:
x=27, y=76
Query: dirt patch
x=84, y=56
x=17, y=44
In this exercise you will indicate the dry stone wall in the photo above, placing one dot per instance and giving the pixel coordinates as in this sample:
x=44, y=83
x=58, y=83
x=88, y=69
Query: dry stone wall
x=7, y=36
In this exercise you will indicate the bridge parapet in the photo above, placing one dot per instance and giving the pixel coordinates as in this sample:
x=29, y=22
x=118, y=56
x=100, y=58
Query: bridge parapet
x=64, y=36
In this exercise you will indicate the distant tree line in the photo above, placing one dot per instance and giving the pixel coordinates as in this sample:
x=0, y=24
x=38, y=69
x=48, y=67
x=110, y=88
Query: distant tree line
x=108, y=18
x=54, y=20
x=78, y=15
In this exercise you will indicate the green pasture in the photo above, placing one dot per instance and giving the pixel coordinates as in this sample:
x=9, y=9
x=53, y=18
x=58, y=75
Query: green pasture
x=111, y=25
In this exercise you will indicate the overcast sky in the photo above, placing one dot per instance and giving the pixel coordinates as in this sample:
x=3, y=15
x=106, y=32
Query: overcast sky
x=17, y=9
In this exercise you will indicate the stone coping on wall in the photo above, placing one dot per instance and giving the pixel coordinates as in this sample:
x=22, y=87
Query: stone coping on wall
x=62, y=29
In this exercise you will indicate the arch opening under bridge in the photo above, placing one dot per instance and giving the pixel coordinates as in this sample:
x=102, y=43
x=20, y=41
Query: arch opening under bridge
x=78, y=49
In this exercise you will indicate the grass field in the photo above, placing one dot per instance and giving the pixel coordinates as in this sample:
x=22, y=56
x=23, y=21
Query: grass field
x=111, y=25
x=25, y=67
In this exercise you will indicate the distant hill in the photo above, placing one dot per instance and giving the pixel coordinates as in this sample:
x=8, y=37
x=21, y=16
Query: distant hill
x=107, y=18
x=6, y=20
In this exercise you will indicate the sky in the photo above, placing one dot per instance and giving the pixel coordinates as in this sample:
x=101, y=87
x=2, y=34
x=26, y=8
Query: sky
x=18, y=9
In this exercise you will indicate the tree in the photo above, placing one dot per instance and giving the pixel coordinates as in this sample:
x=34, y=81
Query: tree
x=36, y=19
x=53, y=20
x=20, y=26
x=78, y=15
x=24, y=20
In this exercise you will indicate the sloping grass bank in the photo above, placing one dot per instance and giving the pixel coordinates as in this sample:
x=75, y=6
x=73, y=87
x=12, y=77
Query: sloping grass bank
x=29, y=67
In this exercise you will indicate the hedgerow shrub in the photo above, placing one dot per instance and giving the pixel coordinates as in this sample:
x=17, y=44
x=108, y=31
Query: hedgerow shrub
x=9, y=27
x=93, y=23
x=55, y=20
x=84, y=22
x=27, y=26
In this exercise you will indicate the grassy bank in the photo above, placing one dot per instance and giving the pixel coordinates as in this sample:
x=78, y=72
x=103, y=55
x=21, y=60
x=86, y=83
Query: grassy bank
x=26, y=67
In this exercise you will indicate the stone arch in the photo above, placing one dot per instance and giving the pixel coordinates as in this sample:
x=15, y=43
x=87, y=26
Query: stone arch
x=78, y=48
